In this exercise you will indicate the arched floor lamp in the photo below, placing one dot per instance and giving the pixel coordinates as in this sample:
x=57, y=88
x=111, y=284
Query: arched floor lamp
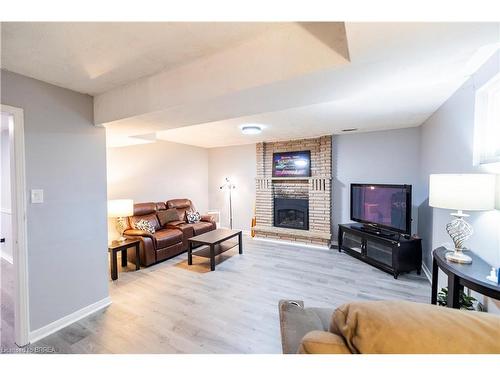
x=229, y=186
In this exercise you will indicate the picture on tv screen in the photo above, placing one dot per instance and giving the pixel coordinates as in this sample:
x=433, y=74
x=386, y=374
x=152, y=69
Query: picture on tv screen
x=384, y=205
x=292, y=164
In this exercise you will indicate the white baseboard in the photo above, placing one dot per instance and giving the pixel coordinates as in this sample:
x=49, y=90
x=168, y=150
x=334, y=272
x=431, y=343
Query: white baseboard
x=291, y=243
x=427, y=273
x=7, y=257
x=50, y=328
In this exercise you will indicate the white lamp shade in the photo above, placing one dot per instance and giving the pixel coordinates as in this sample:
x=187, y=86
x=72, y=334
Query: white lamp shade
x=120, y=207
x=468, y=192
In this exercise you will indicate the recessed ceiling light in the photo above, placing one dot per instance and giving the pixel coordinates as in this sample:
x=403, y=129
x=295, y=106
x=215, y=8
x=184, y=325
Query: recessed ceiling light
x=251, y=129
x=350, y=130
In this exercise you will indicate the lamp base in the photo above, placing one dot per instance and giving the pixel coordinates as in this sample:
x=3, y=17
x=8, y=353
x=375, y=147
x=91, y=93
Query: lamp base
x=459, y=231
x=458, y=256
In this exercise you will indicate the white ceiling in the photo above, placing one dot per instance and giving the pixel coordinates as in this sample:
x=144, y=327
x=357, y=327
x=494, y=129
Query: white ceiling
x=94, y=57
x=397, y=75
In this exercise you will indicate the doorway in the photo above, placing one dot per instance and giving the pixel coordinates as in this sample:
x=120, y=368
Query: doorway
x=14, y=271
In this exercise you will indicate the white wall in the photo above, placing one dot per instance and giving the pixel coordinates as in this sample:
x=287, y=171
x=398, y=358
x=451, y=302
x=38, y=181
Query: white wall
x=447, y=147
x=5, y=197
x=65, y=156
x=240, y=164
x=157, y=172
x=390, y=157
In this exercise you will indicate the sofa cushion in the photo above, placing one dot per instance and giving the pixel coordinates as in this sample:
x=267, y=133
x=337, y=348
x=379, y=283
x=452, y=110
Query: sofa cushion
x=184, y=227
x=161, y=206
x=144, y=208
x=177, y=222
x=193, y=217
x=321, y=342
x=401, y=327
x=144, y=225
x=181, y=205
x=201, y=227
x=167, y=216
x=167, y=237
x=153, y=220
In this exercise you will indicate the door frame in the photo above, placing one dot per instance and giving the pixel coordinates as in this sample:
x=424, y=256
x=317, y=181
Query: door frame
x=19, y=224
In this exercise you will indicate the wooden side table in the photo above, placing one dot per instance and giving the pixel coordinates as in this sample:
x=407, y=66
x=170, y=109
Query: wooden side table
x=472, y=276
x=122, y=246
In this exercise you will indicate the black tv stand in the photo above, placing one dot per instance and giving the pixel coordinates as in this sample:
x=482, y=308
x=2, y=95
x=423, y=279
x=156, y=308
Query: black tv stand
x=378, y=231
x=390, y=252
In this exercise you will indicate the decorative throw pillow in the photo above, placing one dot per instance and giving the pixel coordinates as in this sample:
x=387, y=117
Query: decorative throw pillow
x=145, y=226
x=193, y=217
x=166, y=216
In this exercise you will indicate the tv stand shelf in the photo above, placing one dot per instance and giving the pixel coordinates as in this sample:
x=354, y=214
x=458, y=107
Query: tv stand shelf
x=393, y=254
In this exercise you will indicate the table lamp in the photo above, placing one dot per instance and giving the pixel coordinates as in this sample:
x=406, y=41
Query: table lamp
x=120, y=209
x=461, y=192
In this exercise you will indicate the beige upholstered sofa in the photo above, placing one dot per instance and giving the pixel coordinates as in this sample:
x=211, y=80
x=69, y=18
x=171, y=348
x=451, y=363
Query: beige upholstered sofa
x=393, y=327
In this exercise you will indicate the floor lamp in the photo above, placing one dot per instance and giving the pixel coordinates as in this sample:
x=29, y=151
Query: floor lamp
x=230, y=186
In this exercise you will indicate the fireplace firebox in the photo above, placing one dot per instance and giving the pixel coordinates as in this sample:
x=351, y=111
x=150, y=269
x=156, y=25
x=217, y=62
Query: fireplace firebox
x=291, y=213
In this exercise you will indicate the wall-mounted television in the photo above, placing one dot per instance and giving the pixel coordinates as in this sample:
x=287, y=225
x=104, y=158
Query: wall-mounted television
x=292, y=164
x=384, y=206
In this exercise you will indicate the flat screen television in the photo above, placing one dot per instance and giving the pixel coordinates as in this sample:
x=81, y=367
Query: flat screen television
x=292, y=164
x=384, y=206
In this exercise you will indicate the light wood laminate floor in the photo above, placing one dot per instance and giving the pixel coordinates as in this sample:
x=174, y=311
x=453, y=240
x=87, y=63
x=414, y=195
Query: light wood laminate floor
x=174, y=308
x=6, y=305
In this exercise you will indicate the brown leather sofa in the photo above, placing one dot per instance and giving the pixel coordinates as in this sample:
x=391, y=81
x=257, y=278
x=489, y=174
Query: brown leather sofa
x=168, y=240
x=387, y=327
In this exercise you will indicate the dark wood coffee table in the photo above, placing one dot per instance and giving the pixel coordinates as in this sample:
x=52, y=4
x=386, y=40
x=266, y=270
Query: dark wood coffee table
x=216, y=242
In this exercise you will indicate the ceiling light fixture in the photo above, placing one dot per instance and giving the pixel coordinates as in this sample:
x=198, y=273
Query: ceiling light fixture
x=251, y=129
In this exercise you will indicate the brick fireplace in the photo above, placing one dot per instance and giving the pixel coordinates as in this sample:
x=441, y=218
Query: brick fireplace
x=295, y=208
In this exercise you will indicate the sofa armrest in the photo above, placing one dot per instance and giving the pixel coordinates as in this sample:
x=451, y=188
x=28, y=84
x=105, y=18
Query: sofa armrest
x=138, y=232
x=322, y=342
x=208, y=218
x=296, y=321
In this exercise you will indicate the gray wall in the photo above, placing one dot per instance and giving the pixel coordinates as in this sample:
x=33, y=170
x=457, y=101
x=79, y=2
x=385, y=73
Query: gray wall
x=65, y=156
x=158, y=172
x=447, y=147
x=239, y=163
x=390, y=157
